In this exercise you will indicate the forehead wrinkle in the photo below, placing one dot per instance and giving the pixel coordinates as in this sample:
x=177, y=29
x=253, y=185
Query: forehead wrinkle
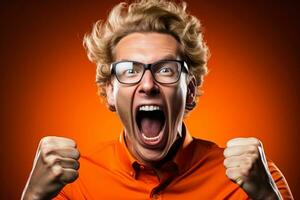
x=147, y=49
x=167, y=57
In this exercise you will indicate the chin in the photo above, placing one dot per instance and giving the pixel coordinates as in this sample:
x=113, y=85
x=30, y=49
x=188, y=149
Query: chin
x=151, y=154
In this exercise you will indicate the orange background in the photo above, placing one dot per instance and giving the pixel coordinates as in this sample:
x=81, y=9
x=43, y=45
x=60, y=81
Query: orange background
x=47, y=83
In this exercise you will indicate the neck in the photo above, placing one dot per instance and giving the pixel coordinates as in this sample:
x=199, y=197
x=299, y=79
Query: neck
x=170, y=155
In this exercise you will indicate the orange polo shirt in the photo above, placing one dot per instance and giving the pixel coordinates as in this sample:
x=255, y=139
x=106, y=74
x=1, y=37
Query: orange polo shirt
x=196, y=172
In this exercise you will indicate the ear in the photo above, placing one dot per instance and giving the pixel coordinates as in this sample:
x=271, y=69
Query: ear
x=191, y=93
x=110, y=96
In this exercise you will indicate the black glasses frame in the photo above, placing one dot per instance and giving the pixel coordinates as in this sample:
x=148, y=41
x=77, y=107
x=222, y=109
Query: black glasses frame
x=184, y=68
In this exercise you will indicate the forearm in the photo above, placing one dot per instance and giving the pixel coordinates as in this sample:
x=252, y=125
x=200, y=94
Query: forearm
x=28, y=194
x=271, y=194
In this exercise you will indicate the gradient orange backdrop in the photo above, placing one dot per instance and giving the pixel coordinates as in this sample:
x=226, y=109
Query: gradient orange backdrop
x=47, y=83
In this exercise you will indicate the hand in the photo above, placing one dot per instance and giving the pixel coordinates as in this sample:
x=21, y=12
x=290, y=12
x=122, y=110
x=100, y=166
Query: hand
x=55, y=165
x=247, y=166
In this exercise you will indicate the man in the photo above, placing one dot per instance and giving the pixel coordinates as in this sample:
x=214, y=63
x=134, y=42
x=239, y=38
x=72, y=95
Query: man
x=151, y=59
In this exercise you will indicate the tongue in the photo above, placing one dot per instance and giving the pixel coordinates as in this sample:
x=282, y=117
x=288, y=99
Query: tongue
x=151, y=127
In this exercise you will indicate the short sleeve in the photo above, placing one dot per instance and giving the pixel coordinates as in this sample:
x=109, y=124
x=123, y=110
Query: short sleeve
x=280, y=181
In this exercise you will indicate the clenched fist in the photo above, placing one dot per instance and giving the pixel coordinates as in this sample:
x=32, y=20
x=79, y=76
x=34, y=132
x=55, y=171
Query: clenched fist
x=55, y=165
x=246, y=165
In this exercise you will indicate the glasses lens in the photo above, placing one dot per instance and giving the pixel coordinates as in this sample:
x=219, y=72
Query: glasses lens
x=167, y=71
x=128, y=71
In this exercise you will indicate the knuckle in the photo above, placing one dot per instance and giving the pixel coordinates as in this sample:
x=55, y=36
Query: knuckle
x=229, y=143
x=248, y=160
x=69, y=141
x=53, y=160
x=225, y=152
x=45, y=151
x=46, y=140
x=57, y=171
x=225, y=162
x=252, y=149
x=73, y=142
x=77, y=165
x=255, y=157
x=48, y=160
x=256, y=141
x=248, y=166
x=71, y=177
x=232, y=174
x=245, y=172
x=74, y=176
x=76, y=154
x=227, y=172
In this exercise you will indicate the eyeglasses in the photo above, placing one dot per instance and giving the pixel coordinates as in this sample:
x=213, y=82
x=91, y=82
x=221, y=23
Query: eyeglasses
x=164, y=71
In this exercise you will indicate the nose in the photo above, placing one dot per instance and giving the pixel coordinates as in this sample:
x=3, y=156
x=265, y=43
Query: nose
x=148, y=85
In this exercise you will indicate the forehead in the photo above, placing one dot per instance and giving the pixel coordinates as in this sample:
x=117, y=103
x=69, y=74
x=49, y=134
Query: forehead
x=146, y=47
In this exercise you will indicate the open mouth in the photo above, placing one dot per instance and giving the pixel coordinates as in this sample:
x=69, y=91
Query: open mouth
x=150, y=120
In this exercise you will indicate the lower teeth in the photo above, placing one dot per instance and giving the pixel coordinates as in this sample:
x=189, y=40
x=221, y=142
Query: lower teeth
x=150, y=138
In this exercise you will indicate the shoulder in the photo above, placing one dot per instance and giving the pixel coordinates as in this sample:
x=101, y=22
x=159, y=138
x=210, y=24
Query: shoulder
x=102, y=147
x=205, y=143
x=101, y=155
x=203, y=154
x=207, y=148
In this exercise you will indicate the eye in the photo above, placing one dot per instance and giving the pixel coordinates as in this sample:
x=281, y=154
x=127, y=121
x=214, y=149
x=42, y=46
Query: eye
x=130, y=71
x=165, y=71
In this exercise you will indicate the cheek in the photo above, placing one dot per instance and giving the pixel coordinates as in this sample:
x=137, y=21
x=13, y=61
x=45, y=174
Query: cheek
x=122, y=95
x=180, y=94
x=176, y=99
x=179, y=101
x=124, y=98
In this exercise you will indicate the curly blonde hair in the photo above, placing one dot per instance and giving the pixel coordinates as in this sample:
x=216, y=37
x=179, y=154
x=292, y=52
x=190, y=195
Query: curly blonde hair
x=159, y=16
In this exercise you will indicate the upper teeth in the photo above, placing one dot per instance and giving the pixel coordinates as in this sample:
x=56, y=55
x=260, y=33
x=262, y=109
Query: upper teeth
x=149, y=108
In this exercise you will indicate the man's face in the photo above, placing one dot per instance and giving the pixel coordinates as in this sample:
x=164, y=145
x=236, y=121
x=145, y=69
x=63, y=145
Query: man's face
x=151, y=112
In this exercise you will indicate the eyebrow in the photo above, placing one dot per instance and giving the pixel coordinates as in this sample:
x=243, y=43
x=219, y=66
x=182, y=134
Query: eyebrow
x=169, y=57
